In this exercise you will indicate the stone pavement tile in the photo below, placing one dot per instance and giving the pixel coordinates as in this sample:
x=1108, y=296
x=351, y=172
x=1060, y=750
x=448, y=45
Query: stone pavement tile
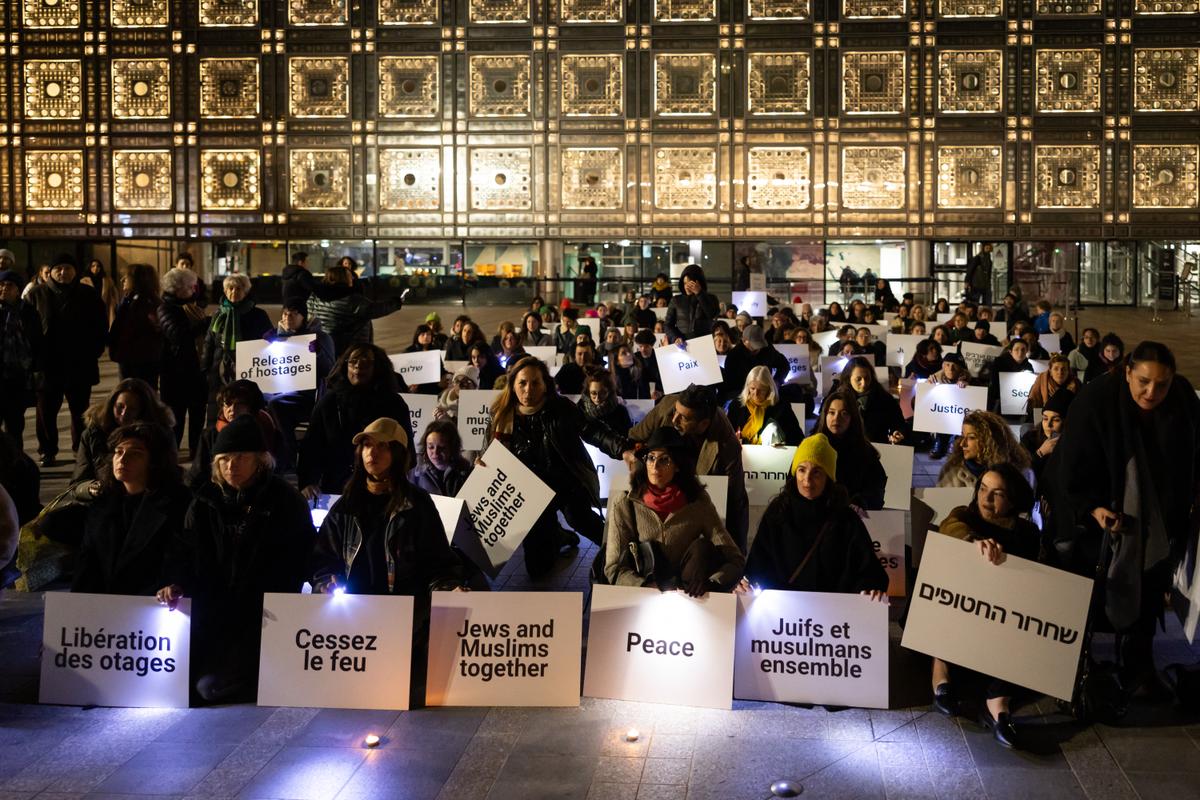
x=305, y=773
x=657, y=791
x=399, y=775
x=131, y=796
x=617, y=745
x=341, y=727
x=791, y=722
x=667, y=770
x=1101, y=784
x=1085, y=752
x=231, y=724
x=15, y=757
x=7, y=795
x=1152, y=749
x=1030, y=784
x=41, y=775
x=851, y=724
x=94, y=748
x=167, y=767
x=80, y=778
x=1165, y=785
x=459, y=721
x=671, y=745
x=724, y=768
x=900, y=755
x=612, y=791
x=506, y=720
x=140, y=723
x=989, y=753
x=619, y=770
x=956, y=783
x=574, y=734
x=536, y=777
x=906, y=783
x=893, y=726
x=854, y=777
x=282, y=725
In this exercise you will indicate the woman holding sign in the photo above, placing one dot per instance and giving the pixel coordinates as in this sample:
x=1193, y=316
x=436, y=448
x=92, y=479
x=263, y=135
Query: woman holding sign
x=758, y=416
x=994, y=521
x=546, y=431
x=1015, y=358
x=810, y=539
x=441, y=466
x=986, y=439
x=693, y=311
x=237, y=320
x=863, y=476
x=665, y=531
x=882, y=418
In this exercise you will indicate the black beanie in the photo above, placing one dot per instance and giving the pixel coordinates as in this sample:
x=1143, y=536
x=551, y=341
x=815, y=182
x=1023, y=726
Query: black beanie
x=64, y=258
x=297, y=304
x=1059, y=402
x=243, y=435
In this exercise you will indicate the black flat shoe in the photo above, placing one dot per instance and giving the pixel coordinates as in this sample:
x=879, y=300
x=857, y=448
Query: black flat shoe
x=944, y=700
x=1003, y=729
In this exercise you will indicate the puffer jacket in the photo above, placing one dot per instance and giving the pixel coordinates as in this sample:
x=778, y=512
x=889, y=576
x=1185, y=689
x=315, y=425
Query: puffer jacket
x=327, y=452
x=415, y=546
x=345, y=314
x=691, y=315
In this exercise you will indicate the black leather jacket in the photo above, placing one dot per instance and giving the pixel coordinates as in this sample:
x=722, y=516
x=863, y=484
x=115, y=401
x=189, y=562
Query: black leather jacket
x=691, y=315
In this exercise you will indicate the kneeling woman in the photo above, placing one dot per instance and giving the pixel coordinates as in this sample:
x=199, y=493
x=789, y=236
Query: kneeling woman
x=384, y=535
x=246, y=533
x=993, y=521
x=665, y=531
x=810, y=539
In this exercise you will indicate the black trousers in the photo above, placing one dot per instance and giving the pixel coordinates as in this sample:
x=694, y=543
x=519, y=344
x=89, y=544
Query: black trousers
x=12, y=415
x=147, y=372
x=49, y=403
x=289, y=411
x=544, y=541
x=188, y=400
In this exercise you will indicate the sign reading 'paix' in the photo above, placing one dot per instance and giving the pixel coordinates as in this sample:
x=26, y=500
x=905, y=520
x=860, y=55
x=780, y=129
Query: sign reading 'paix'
x=696, y=364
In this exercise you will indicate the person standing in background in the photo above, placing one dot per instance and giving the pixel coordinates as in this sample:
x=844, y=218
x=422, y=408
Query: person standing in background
x=585, y=284
x=979, y=276
x=20, y=346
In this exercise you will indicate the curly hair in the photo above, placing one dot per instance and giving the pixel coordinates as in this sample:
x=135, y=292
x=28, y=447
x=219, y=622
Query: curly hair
x=997, y=444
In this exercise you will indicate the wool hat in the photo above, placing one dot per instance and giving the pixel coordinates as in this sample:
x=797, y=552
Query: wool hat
x=243, y=435
x=11, y=276
x=670, y=440
x=9, y=255
x=1059, y=402
x=384, y=429
x=753, y=338
x=746, y=314
x=954, y=358
x=432, y=316
x=64, y=258
x=817, y=449
x=297, y=304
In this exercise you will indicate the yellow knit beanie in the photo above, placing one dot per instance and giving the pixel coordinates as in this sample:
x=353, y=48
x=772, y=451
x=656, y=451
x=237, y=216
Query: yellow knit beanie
x=817, y=449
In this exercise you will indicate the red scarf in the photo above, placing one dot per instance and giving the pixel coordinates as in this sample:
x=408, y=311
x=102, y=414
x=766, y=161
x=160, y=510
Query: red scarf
x=664, y=502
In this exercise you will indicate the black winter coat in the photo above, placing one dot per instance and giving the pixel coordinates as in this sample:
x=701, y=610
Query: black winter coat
x=130, y=557
x=691, y=315
x=75, y=328
x=18, y=377
x=327, y=452
x=741, y=360
x=881, y=414
x=136, y=334
x=181, y=372
x=860, y=473
x=844, y=561
x=298, y=283
x=414, y=544
x=780, y=415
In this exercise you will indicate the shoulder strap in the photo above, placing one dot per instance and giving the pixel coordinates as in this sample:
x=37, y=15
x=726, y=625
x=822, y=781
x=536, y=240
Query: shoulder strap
x=811, y=552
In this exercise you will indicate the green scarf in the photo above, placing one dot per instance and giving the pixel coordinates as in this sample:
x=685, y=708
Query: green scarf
x=226, y=323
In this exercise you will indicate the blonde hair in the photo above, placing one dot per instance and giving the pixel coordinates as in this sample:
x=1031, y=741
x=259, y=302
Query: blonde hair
x=238, y=279
x=760, y=375
x=266, y=465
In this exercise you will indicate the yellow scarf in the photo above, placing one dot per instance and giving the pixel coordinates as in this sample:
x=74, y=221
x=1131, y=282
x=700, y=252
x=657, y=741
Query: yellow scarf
x=753, y=427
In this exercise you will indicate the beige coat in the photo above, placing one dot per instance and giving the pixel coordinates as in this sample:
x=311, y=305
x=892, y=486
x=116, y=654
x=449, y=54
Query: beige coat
x=632, y=520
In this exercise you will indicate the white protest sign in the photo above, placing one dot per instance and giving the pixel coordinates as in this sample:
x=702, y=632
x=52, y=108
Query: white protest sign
x=1014, y=391
x=766, y=471
x=285, y=365
x=902, y=348
x=897, y=461
x=1040, y=365
x=978, y=356
x=811, y=647
x=114, y=650
x=335, y=651
x=474, y=414
x=593, y=325
x=420, y=412
x=504, y=649
x=721, y=360
x=417, y=368
x=638, y=409
x=680, y=367
x=504, y=499
x=753, y=303
x=944, y=499
x=659, y=313
x=832, y=368
x=320, y=508
x=661, y=647
x=451, y=510
x=887, y=535
x=605, y=467
x=940, y=407
x=544, y=353
x=879, y=333
x=799, y=363
x=1050, y=342
x=825, y=339
x=1019, y=621
x=454, y=366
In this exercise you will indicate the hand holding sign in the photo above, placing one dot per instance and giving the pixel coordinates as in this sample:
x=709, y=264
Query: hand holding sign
x=284, y=365
x=696, y=363
x=940, y=407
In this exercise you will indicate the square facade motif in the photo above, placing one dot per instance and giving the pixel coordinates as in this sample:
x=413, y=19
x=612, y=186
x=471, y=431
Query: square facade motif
x=591, y=10
x=1067, y=176
x=685, y=178
x=54, y=180
x=873, y=82
x=1166, y=79
x=778, y=83
x=140, y=13
x=501, y=179
x=873, y=9
x=142, y=180
x=494, y=12
x=229, y=88
x=229, y=13
x=592, y=85
x=592, y=178
x=684, y=10
x=319, y=87
x=50, y=14
x=229, y=180
x=408, y=12
x=777, y=178
x=408, y=86
x=1165, y=176
x=685, y=84
x=1068, y=81
x=1166, y=6
x=319, y=180
x=317, y=12
x=779, y=9
x=950, y=9
x=53, y=89
x=873, y=178
x=969, y=176
x=141, y=88
x=500, y=86
x=410, y=179
x=1049, y=8
x=971, y=82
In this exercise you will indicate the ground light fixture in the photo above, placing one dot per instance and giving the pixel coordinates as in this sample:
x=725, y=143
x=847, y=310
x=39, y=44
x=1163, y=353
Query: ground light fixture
x=786, y=788
x=371, y=740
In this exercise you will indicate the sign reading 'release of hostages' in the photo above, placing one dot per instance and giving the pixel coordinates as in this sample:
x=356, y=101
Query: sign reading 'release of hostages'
x=285, y=365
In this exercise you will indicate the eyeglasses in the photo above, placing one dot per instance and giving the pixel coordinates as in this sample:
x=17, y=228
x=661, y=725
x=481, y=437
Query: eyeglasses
x=361, y=362
x=663, y=460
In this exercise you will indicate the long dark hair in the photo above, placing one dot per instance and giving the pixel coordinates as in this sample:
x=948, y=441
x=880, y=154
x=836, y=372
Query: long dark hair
x=685, y=474
x=383, y=377
x=853, y=441
x=448, y=430
x=422, y=328
x=145, y=282
x=356, y=491
x=151, y=409
x=162, y=469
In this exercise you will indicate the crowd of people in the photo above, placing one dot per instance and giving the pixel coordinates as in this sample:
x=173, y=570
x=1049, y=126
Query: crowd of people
x=237, y=523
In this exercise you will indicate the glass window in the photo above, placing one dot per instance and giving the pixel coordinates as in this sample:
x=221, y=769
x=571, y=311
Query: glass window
x=1046, y=270
x=856, y=266
x=785, y=270
x=1161, y=257
x=500, y=273
x=432, y=270
x=619, y=267
x=324, y=253
x=1119, y=273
